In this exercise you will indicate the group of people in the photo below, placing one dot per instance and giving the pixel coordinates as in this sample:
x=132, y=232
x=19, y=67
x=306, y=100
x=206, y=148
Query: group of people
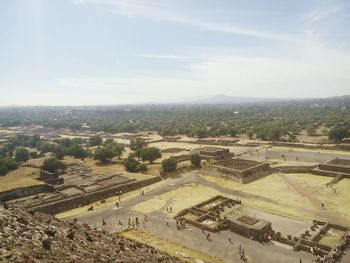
x=180, y=225
x=241, y=253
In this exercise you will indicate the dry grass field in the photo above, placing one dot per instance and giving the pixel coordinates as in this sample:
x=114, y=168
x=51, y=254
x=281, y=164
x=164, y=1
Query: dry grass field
x=186, y=254
x=295, y=195
x=22, y=177
x=179, y=198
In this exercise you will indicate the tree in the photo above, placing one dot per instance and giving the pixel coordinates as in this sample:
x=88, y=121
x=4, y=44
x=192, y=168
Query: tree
x=108, y=141
x=3, y=170
x=22, y=155
x=78, y=151
x=34, y=140
x=53, y=165
x=311, y=130
x=196, y=160
x=95, y=140
x=150, y=154
x=202, y=132
x=338, y=133
x=137, y=143
x=116, y=148
x=169, y=165
x=131, y=164
x=103, y=155
x=250, y=134
x=232, y=131
x=10, y=164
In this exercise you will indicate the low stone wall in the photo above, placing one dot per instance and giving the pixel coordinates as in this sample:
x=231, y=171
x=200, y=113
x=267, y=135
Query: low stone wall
x=242, y=176
x=182, y=158
x=294, y=169
x=59, y=206
x=334, y=168
x=25, y=191
x=45, y=175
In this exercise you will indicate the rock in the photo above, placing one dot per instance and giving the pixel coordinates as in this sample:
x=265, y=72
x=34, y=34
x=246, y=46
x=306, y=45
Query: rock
x=47, y=244
x=70, y=235
x=51, y=232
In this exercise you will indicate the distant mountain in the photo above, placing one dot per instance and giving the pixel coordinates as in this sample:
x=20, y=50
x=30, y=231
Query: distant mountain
x=223, y=99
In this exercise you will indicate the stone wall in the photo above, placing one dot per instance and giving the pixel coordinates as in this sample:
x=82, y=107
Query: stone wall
x=334, y=168
x=62, y=205
x=45, y=175
x=294, y=169
x=242, y=176
x=25, y=191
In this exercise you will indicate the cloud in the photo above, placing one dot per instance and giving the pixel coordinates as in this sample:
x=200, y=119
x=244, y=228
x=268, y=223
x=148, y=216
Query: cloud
x=157, y=10
x=320, y=14
x=168, y=56
x=313, y=71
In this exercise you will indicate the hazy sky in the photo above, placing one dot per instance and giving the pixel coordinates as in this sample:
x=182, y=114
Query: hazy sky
x=73, y=52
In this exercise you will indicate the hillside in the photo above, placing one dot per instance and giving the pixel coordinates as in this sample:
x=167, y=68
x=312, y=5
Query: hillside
x=37, y=237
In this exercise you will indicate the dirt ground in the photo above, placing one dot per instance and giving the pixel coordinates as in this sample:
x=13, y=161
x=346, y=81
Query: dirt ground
x=186, y=254
x=296, y=196
x=22, y=177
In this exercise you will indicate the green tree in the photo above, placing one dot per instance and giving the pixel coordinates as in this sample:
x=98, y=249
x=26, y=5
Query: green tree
x=150, y=154
x=202, y=132
x=131, y=164
x=53, y=165
x=3, y=169
x=96, y=140
x=169, y=165
x=250, y=134
x=10, y=164
x=21, y=155
x=196, y=160
x=338, y=133
x=311, y=130
x=78, y=151
x=232, y=131
x=137, y=143
x=104, y=154
x=116, y=148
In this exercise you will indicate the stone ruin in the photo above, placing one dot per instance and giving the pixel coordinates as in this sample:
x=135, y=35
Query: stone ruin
x=336, y=168
x=239, y=170
x=79, y=186
x=213, y=153
x=222, y=213
x=323, y=239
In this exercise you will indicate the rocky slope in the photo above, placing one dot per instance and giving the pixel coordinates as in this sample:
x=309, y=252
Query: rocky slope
x=36, y=237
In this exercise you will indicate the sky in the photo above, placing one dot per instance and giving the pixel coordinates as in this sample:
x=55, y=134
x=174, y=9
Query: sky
x=93, y=52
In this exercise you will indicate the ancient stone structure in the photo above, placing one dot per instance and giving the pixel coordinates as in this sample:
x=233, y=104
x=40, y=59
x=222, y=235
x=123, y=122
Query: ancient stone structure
x=221, y=142
x=213, y=153
x=79, y=187
x=51, y=178
x=337, y=168
x=312, y=240
x=222, y=213
x=239, y=170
